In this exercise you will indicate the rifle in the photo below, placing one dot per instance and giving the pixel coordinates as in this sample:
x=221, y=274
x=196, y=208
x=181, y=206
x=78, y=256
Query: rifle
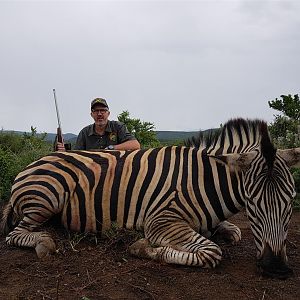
x=59, y=137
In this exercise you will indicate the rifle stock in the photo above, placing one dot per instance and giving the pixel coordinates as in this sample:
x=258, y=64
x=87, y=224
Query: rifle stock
x=59, y=135
x=58, y=139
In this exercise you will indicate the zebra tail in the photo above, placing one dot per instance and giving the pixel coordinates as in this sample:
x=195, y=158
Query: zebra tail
x=6, y=224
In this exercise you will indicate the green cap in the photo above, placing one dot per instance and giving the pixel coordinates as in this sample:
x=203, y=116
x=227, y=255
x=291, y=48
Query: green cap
x=99, y=101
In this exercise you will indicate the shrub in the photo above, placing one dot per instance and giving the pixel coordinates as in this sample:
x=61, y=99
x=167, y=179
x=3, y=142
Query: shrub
x=16, y=152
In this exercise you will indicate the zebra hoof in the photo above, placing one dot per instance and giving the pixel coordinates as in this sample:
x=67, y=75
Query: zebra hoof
x=233, y=238
x=139, y=248
x=45, y=247
x=229, y=233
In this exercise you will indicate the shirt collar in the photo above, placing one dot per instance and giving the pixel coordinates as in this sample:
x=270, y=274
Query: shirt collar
x=92, y=131
x=108, y=127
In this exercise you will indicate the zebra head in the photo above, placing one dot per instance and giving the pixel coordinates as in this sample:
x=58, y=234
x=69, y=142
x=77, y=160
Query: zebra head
x=269, y=189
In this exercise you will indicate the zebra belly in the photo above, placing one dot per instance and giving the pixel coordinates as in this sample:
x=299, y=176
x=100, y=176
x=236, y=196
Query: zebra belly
x=92, y=216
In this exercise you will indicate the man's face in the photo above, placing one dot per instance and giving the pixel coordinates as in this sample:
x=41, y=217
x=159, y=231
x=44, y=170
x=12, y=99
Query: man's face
x=100, y=114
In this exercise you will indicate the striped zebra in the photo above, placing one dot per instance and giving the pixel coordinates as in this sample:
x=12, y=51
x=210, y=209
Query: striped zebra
x=179, y=196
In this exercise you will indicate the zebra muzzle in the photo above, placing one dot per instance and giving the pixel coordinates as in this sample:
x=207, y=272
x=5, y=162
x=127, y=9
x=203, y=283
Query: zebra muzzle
x=273, y=266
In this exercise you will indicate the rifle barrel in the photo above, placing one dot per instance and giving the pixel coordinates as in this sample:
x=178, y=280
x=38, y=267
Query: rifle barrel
x=57, y=112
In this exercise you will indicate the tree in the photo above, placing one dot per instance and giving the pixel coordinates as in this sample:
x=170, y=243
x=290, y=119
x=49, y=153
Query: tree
x=284, y=129
x=289, y=106
x=143, y=131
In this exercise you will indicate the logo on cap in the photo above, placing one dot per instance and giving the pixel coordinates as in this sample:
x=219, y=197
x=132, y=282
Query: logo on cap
x=99, y=101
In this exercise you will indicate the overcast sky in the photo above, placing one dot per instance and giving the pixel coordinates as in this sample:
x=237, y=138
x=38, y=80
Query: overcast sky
x=183, y=65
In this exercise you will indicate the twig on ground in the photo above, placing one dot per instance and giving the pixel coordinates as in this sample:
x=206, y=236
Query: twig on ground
x=293, y=244
x=30, y=274
x=80, y=289
x=44, y=295
x=141, y=289
x=57, y=286
x=263, y=297
x=88, y=275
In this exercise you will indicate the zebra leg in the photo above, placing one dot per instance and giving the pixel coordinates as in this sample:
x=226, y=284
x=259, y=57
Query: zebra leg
x=177, y=243
x=23, y=235
x=208, y=255
x=228, y=232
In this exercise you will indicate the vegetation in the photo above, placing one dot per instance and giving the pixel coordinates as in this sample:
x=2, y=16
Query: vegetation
x=16, y=152
x=143, y=131
x=285, y=130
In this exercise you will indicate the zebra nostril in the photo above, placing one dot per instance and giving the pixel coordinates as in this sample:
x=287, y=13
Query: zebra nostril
x=272, y=265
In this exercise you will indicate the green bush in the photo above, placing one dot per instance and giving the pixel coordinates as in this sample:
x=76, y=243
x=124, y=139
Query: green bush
x=16, y=152
x=7, y=172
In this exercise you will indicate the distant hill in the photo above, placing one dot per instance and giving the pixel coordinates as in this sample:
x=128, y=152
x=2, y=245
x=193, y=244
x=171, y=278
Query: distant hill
x=162, y=136
x=50, y=137
x=174, y=135
x=68, y=137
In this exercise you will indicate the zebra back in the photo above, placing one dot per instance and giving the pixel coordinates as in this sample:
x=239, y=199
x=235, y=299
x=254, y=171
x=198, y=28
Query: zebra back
x=235, y=136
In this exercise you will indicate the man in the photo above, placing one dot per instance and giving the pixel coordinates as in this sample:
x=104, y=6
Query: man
x=103, y=134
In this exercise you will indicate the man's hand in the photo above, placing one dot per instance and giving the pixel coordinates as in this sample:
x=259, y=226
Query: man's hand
x=60, y=147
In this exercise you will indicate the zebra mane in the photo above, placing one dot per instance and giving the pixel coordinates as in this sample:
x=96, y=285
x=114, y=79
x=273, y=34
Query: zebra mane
x=236, y=136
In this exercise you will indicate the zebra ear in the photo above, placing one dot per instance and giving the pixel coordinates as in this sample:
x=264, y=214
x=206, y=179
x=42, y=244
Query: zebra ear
x=236, y=161
x=291, y=156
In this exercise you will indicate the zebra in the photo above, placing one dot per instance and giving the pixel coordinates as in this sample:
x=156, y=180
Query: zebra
x=179, y=196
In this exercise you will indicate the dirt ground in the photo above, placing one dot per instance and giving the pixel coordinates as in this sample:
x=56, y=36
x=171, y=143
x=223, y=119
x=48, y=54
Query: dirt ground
x=90, y=268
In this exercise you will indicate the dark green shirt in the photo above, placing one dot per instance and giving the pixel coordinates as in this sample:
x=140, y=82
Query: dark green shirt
x=115, y=133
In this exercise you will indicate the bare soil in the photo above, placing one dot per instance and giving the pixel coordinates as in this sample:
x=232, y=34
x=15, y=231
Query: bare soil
x=90, y=268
